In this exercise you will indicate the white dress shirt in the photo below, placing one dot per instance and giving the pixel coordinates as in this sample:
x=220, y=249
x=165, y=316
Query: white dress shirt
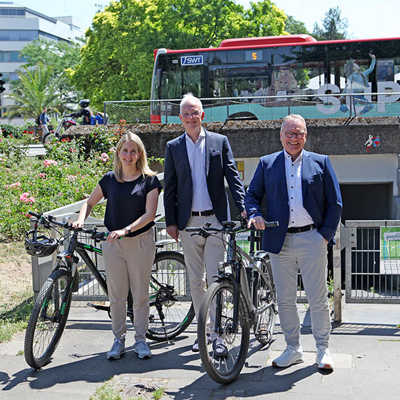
x=196, y=152
x=298, y=215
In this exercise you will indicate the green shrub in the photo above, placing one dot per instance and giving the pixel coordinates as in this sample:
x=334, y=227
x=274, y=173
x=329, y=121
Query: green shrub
x=28, y=183
x=11, y=130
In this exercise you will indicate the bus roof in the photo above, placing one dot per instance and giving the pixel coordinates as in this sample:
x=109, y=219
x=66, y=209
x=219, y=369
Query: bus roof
x=270, y=41
x=267, y=40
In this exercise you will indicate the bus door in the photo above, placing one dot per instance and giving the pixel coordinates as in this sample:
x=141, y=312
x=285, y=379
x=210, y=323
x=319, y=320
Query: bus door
x=178, y=79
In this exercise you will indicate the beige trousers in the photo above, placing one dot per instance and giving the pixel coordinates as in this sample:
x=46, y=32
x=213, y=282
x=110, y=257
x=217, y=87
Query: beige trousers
x=201, y=256
x=128, y=265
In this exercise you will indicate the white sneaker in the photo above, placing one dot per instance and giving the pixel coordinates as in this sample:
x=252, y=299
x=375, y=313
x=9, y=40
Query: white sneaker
x=195, y=347
x=324, y=359
x=289, y=357
x=117, y=349
x=142, y=350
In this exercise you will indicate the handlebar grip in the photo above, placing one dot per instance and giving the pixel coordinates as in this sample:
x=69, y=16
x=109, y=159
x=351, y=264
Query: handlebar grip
x=193, y=229
x=271, y=224
x=99, y=235
x=34, y=214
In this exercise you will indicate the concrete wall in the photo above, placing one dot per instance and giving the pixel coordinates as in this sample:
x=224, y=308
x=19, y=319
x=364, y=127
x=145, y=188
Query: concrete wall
x=354, y=163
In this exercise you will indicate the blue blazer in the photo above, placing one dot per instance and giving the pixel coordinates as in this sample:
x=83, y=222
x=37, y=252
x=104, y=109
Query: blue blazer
x=178, y=187
x=320, y=189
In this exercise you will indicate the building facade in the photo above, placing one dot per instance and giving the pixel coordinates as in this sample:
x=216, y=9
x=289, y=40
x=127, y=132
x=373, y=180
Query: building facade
x=20, y=25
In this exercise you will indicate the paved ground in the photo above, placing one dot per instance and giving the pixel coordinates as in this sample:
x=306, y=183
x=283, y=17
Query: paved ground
x=365, y=347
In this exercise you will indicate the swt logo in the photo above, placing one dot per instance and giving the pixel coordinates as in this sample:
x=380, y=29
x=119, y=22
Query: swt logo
x=191, y=60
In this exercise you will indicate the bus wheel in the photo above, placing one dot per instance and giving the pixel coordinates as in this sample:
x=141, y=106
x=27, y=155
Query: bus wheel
x=243, y=116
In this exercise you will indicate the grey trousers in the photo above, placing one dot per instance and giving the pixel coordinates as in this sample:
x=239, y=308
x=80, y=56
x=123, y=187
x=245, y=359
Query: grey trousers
x=201, y=255
x=128, y=265
x=307, y=252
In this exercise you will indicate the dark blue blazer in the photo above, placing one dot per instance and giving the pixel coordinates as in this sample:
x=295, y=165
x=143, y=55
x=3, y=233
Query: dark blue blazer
x=178, y=187
x=320, y=189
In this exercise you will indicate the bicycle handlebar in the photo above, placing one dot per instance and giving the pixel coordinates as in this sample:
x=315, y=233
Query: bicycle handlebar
x=228, y=227
x=50, y=220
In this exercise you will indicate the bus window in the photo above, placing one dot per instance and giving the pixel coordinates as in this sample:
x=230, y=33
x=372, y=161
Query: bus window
x=177, y=81
x=283, y=82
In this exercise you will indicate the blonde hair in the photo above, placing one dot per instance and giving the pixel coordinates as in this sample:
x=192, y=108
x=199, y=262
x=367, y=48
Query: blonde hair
x=141, y=164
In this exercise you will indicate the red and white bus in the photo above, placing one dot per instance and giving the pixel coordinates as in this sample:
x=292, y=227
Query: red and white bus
x=266, y=78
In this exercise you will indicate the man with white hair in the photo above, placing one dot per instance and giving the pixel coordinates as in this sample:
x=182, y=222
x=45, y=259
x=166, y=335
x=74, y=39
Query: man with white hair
x=196, y=164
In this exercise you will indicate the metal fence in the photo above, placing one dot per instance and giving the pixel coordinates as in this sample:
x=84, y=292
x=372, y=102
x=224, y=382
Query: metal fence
x=372, y=261
x=221, y=109
x=90, y=290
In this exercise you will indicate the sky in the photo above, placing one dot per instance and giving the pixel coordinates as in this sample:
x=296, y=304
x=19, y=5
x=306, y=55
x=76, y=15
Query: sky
x=366, y=18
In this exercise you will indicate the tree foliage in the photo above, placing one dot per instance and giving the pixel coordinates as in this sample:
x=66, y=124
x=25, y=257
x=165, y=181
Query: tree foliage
x=334, y=26
x=59, y=56
x=117, y=59
x=35, y=89
x=295, y=27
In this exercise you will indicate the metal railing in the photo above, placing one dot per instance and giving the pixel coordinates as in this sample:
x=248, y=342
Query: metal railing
x=372, y=261
x=220, y=109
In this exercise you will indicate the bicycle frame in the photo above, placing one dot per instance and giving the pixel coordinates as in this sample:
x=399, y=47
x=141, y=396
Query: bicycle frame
x=83, y=248
x=235, y=272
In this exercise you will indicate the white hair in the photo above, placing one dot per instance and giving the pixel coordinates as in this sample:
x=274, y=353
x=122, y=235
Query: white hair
x=188, y=98
x=293, y=117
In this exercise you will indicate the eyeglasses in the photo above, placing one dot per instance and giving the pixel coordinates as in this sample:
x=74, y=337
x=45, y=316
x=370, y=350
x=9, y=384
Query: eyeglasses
x=292, y=135
x=191, y=115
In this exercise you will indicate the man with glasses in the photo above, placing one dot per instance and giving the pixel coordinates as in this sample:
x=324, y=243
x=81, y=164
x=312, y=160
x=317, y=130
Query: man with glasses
x=196, y=164
x=302, y=193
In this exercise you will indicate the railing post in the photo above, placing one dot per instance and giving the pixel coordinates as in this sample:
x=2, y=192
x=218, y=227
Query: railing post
x=337, y=279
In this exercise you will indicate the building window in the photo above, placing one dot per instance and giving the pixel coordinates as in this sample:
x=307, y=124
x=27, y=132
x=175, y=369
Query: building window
x=11, y=56
x=12, y=11
x=14, y=35
x=50, y=36
x=10, y=76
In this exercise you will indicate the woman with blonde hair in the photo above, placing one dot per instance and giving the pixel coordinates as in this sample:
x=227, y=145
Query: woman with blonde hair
x=131, y=190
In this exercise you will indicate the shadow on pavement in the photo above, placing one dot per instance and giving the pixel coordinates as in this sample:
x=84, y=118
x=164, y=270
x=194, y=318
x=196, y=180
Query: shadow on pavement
x=263, y=382
x=97, y=369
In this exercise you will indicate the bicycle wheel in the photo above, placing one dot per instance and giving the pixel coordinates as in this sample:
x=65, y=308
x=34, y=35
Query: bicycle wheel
x=220, y=297
x=171, y=309
x=48, y=318
x=265, y=302
x=46, y=138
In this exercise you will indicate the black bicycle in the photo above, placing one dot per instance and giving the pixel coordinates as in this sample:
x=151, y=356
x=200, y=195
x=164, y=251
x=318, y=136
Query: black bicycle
x=242, y=297
x=169, y=315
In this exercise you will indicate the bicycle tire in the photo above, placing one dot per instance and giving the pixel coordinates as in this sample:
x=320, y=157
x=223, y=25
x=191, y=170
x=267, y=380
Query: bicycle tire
x=48, y=318
x=46, y=138
x=265, y=298
x=170, y=268
x=227, y=369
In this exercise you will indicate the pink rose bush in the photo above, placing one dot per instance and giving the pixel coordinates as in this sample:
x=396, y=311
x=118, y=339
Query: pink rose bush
x=104, y=157
x=27, y=198
x=49, y=163
x=15, y=185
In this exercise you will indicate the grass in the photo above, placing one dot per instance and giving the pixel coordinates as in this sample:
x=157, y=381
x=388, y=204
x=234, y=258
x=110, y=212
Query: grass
x=110, y=392
x=106, y=392
x=16, y=319
x=16, y=295
x=12, y=251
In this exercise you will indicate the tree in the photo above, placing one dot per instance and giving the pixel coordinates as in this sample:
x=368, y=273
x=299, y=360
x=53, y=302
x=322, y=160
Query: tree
x=36, y=89
x=333, y=26
x=117, y=59
x=60, y=56
x=295, y=27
